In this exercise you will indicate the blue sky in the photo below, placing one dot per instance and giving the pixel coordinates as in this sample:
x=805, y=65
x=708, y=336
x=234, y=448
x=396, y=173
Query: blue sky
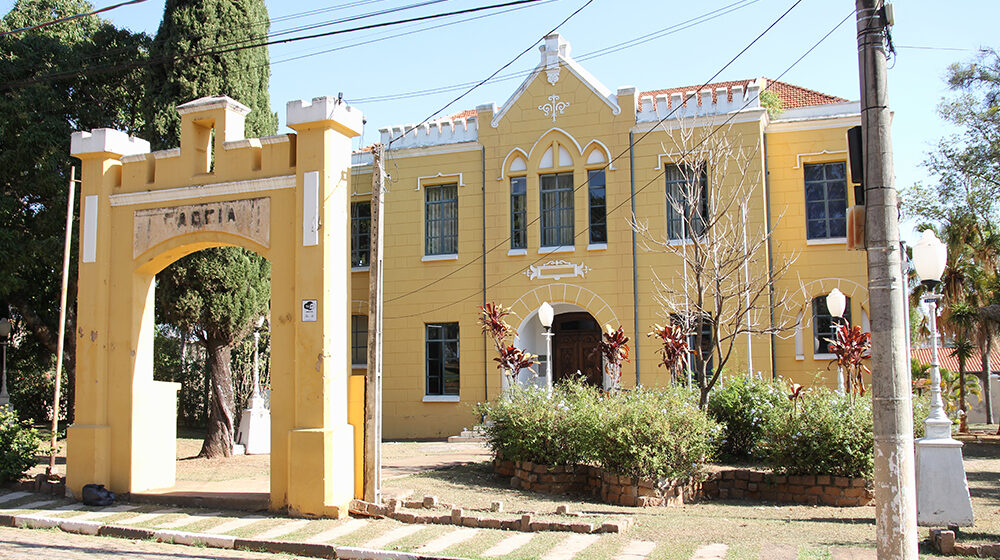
x=471, y=50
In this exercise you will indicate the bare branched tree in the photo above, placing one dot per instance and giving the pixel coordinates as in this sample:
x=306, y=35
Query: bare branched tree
x=724, y=291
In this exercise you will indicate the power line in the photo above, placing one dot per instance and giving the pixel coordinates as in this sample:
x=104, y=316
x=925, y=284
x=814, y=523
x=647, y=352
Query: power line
x=106, y=69
x=620, y=154
x=644, y=187
x=930, y=48
x=498, y=70
x=69, y=18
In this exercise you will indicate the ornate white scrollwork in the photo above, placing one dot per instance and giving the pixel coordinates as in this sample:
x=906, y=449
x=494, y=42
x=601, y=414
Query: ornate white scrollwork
x=555, y=270
x=554, y=106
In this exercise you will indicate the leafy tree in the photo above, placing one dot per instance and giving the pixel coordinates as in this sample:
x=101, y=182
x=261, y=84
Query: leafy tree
x=201, y=295
x=40, y=112
x=193, y=26
x=217, y=294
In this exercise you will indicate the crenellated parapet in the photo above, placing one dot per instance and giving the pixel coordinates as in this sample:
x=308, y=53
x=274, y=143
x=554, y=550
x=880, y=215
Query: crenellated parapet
x=706, y=102
x=434, y=133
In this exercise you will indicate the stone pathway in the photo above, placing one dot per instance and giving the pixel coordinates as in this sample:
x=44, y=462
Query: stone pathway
x=50, y=512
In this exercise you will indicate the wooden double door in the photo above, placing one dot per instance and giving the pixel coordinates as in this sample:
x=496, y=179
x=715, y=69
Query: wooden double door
x=574, y=346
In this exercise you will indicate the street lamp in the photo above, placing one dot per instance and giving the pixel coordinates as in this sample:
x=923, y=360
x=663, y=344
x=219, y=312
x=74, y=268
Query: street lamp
x=545, y=315
x=5, y=335
x=836, y=303
x=255, y=400
x=942, y=489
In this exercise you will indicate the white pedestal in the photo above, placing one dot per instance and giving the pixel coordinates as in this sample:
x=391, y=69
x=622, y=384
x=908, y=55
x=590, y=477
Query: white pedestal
x=255, y=429
x=942, y=489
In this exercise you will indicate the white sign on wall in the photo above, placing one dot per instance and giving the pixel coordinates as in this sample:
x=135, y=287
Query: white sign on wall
x=309, y=309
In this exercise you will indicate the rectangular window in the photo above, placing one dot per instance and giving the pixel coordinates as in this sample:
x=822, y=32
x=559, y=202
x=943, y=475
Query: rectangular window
x=518, y=213
x=825, y=324
x=442, y=359
x=598, y=206
x=361, y=221
x=556, y=190
x=690, y=323
x=441, y=219
x=687, y=200
x=359, y=339
x=826, y=200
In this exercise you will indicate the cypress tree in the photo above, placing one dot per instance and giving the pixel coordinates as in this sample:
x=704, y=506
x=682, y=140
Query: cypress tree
x=216, y=293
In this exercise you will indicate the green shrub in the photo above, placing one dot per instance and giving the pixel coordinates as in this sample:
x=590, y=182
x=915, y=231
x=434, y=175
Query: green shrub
x=528, y=424
x=646, y=433
x=921, y=410
x=826, y=436
x=19, y=443
x=656, y=433
x=742, y=405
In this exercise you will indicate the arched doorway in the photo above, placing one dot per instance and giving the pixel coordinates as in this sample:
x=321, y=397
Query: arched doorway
x=281, y=197
x=575, y=348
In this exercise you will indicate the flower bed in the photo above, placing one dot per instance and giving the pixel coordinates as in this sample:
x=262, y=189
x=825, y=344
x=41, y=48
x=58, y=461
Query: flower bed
x=789, y=489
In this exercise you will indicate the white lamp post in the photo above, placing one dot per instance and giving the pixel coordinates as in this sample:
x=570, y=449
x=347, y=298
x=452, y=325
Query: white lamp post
x=942, y=489
x=255, y=399
x=836, y=303
x=545, y=315
x=255, y=424
x=5, y=335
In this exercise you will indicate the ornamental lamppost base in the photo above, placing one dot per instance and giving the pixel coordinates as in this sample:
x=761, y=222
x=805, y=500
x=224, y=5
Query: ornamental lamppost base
x=942, y=488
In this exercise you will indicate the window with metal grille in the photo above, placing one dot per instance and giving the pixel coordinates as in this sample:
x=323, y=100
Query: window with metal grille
x=441, y=219
x=359, y=339
x=687, y=200
x=598, y=206
x=361, y=219
x=825, y=325
x=518, y=213
x=442, y=359
x=556, y=194
x=826, y=200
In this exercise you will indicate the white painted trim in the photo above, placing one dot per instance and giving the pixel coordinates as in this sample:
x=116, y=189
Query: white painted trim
x=420, y=180
x=679, y=242
x=812, y=124
x=310, y=209
x=746, y=115
x=436, y=150
x=89, y=249
x=359, y=366
x=201, y=191
x=674, y=156
x=446, y=257
x=597, y=247
x=604, y=148
x=819, y=357
x=554, y=129
x=517, y=252
x=828, y=241
x=441, y=398
x=503, y=167
x=798, y=157
x=556, y=249
x=359, y=269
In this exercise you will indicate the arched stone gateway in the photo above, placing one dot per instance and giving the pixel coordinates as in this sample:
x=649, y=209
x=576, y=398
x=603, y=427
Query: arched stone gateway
x=284, y=197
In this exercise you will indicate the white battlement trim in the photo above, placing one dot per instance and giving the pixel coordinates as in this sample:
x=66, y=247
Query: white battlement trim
x=362, y=158
x=199, y=191
x=106, y=140
x=244, y=143
x=843, y=109
x=134, y=158
x=434, y=133
x=164, y=154
x=278, y=139
x=213, y=102
x=324, y=109
x=687, y=105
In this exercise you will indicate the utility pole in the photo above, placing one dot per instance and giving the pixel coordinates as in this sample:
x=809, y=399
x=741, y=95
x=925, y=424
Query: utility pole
x=895, y=487
x=373, y=376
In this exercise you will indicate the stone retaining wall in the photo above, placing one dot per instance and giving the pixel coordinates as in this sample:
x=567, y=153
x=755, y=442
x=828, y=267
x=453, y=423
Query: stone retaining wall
x=747, y=484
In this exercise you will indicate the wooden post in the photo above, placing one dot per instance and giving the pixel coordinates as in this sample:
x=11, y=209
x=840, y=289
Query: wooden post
x=373, y=376
x=895, y=486
x=62, y=322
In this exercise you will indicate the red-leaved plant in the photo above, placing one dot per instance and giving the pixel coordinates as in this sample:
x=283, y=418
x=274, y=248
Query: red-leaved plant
x=511, y=360
x=614, y=349
x=674, y=349
x=851, y=346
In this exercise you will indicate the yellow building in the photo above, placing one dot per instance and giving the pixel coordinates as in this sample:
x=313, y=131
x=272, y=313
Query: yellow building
x=532, y=201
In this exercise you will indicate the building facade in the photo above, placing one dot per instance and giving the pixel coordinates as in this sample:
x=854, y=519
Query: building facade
x=589, y=199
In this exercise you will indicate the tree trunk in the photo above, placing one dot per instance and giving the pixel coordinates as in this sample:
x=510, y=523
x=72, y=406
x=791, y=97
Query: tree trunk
x=219, y=431
x=962, y=426
x=988, y=348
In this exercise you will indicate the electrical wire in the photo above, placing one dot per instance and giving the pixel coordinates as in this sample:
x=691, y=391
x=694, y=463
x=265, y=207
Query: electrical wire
x=629, y=198
x=623, y=152
x=70, y=18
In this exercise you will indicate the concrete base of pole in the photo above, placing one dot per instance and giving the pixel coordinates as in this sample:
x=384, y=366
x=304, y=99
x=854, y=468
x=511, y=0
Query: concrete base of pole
x=255, y=429
x=942, y=489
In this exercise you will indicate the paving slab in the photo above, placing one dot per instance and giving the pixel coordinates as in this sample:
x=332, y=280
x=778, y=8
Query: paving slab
x=91, y=515
x=234, y=524
x=283, y=529
x=715, y=551
x=508, y=545
x=188, y=520
x=636, y=550
x=392, y=536
x=570, y=547
x=344, y=528
x=13, y=496
x=449, y=539
x=146, y=517
x=40, y=504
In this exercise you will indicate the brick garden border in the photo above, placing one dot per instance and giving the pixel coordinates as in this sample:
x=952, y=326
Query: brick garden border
x=610, y=488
